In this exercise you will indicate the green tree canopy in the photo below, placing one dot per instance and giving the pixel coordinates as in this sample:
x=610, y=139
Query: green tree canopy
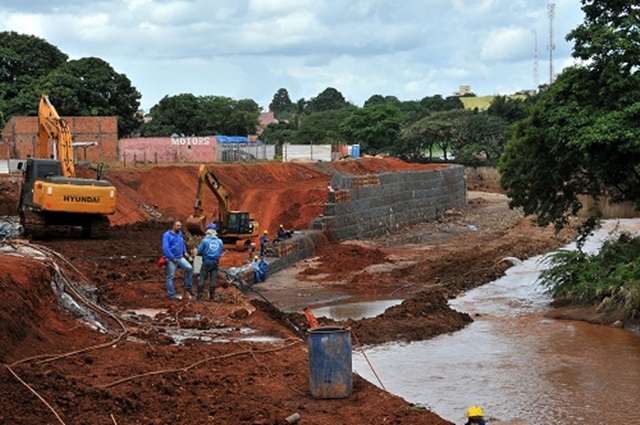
x=480, y=135
x=583, y=136
x=328, y=100
x=281, y=103
x=23, y=60
x=279, y=133
x=91, y=87
x=322, y=127
x=202, y=116
x=509, y=109
x=30, y=67
x=375, y=128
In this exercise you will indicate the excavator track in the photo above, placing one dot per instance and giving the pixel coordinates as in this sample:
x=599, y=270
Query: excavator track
x=33, y=223
x=98, y=228
x=37, y=226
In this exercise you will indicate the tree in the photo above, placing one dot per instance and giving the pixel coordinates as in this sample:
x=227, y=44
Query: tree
x=180, y=114
x=329, y=99
x=202, y=116
x=583, y=136
x=438, y=103
x=279, y=133
x=23, y=60
x=281, y=103
x=91, y=87
x=322, y=127
x=480, y=134
x=378, y=99
x=415, y=139
x=376, y=128
x=509, y=109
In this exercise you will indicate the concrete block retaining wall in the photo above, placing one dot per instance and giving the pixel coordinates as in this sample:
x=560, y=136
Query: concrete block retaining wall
x=361, y=208
x=400, y=199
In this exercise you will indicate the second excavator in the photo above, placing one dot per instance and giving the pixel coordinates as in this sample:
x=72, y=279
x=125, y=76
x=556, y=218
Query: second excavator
x=235, y=228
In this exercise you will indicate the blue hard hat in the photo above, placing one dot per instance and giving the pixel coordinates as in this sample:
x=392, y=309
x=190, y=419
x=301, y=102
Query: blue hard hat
x=212, y=226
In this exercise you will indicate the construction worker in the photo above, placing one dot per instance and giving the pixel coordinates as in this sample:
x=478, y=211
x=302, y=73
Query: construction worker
x=175, y=253
x=475, y=416
x=263, y=244
x=260, y=266
x=210, y=249
x=283, y=234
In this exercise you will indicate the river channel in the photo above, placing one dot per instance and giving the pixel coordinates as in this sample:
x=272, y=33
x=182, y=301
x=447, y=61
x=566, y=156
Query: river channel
x=519, y=366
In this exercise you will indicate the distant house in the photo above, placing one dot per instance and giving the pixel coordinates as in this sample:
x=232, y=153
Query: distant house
x=464, y=90
x=94, y=138
x=266, y=118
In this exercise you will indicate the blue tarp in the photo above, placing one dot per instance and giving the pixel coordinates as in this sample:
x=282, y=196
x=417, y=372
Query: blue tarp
x=235, y=139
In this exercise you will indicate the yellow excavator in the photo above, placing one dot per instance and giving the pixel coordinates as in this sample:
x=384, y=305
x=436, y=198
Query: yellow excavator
x=235, y=228
x=52, y=198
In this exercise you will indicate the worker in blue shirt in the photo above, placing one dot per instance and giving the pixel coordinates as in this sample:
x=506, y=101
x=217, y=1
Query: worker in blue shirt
x=175, y=253
x=260, y=266
x=210, y=249
x=263, y=244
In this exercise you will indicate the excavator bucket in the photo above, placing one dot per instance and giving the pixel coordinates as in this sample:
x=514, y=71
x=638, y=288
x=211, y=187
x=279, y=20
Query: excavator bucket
x=196, y=225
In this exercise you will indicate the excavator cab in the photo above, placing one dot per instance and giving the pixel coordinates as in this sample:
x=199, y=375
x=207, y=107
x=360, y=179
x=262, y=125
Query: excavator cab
x=240, y=223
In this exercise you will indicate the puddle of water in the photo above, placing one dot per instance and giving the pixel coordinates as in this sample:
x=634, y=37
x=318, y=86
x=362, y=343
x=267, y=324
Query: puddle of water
x=355, y=310
x=149, y=312
x=219, y=335
x=515, y=363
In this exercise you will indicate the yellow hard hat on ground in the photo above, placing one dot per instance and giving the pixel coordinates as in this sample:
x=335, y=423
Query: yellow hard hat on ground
x=474, y=411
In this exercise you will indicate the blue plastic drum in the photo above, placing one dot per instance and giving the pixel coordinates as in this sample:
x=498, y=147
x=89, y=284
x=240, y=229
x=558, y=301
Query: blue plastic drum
x=330, y=374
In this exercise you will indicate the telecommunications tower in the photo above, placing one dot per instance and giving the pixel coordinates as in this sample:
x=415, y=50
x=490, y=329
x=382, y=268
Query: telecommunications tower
x=536, y=79
x=551, y=7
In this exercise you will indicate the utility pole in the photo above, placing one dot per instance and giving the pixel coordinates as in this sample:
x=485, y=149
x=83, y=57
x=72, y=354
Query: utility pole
x=551, y=7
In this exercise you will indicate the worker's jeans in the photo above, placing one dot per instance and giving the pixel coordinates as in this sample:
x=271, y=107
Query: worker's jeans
x=208, y=272
x=171, y=272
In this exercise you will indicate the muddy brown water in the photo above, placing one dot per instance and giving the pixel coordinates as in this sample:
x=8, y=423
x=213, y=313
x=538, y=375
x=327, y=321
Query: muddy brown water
x=518, y=365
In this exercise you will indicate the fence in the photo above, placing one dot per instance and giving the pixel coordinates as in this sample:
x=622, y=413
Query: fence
x=238, y=152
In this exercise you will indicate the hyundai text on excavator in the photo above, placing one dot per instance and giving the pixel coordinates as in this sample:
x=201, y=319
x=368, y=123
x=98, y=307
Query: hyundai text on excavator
x=235, y=228
x=51, y=194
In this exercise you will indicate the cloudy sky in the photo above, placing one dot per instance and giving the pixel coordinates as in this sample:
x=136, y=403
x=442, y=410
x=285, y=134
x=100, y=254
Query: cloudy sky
x=250, y=48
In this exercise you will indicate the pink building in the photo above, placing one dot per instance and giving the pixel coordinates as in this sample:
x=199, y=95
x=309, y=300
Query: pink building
x=266, y=118
x=154, y=150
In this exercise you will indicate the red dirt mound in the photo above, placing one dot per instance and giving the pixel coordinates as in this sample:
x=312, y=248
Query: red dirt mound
x=32, y=322
x=429, y=315
x=368, y=165
x=9, y=194
x=338, y=261
x=274, y=194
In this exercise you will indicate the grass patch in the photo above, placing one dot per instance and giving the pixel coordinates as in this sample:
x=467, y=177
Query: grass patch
x=483, y=102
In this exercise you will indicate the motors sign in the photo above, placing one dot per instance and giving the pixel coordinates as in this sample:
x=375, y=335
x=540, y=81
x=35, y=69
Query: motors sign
x=190, y=141
x=154, y=150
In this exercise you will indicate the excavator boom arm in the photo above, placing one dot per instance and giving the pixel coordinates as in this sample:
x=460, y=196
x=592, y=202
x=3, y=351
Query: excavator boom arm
x=50, y=125
x=206, y=177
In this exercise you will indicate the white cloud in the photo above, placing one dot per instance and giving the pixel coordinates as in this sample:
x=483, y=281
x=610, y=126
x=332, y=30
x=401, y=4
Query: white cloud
x=507, y=43
x=473, y=7
x=250, y=48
